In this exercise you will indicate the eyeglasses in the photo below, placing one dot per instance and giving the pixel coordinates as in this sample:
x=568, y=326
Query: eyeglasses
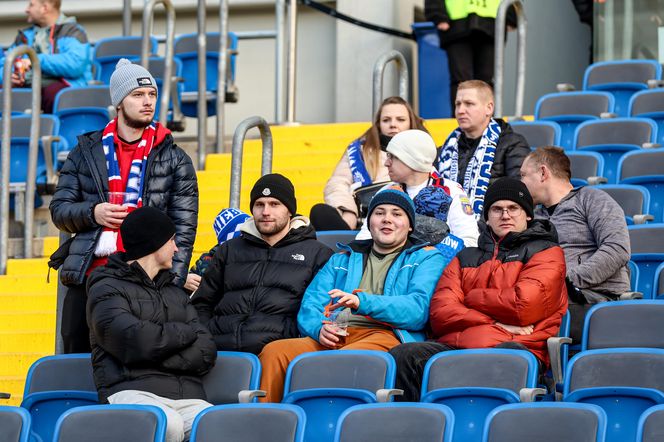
x=392, y=157
x=497, y=212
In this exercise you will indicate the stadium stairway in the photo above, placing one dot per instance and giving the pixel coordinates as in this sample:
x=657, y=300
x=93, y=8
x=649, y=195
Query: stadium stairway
x=306, y=154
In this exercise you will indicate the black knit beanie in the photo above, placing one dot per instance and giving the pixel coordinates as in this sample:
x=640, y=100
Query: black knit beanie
x=144, y=231
x=277, y=186
x=396, y=197
x=508, y=189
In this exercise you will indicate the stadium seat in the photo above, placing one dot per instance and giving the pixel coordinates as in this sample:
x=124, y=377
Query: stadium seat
x=474, y=382
x=250, y=423
x=82, y=110
x=649, y=104
x=14, y=424
x=325, y=383
x=569, y=109
x=612, y=138
x=108, y=51
x=559, y=347
x=186, y=52
x=111, y=423
x=633, y=275
x=651, y=425
x=546, y=422
x=633, y=199
x=331, y=237
x=55, y=384
x=587, y=168
x=646, y=168
x=647, y=247
x=623, y=381
x=396, y=423
x=538, y=133
x=622, y=79
x=234, y=372
x=21, y=100
x=658, y=282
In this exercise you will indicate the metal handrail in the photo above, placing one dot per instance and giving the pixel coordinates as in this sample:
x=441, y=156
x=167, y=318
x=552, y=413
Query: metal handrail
x=379, y=70
x=126, y=18
x=238, y=148
x=292, y=61
x=201, y=106
x=221, y=79
x=32, y=153
x=148, y=22
x=499, y=60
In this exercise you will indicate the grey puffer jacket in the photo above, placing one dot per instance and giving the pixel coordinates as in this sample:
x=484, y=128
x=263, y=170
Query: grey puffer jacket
x=170, y=185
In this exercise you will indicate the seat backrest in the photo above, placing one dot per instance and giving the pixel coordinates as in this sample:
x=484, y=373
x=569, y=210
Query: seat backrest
x=616, y=367
x=396, y=422
x=21, y=124
x=233, y=372
x=646, y=238
x=250, y=423
x=643, y=102
x=637, y=323
x=624, y=71
x=331, y=237
x=14, y=424
x=538, y=133
x=157, y=67
x=546, y=422
x=641, y=163
x=60, y=372
x=111, y=423
x=659, y=281
x=188, y=42
x=362, y=369
x=574, y=103
x=89, y=96
x=632, y=199
x=586, y=164
x=633, y=131
x=493, y=368
x=122, y=46
x=651, y=425
x=21, y=99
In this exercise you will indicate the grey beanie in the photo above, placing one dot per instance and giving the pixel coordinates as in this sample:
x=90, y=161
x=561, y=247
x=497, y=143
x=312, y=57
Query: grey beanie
x=415, y=148
x=126, y=77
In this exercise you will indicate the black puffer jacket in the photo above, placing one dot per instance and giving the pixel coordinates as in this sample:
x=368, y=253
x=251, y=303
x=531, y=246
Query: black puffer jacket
x=144, y=334
x=170, y=186
x=251, y=292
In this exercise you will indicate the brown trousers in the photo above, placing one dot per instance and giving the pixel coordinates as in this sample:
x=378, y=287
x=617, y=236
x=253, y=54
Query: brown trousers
x=276, y=355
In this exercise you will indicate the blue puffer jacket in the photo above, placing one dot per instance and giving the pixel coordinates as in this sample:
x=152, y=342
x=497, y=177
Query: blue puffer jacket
x=408, y=288
x=69, y=53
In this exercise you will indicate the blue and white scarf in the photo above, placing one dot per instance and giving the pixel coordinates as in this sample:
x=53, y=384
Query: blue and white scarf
x=478, y=172
x=358, y=170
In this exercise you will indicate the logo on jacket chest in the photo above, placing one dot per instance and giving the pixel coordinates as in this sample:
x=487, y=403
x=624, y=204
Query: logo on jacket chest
x=298, y=257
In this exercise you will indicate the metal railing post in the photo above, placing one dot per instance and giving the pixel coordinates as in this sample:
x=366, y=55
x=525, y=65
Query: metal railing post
x=126, y=18
x=499, y=60
x=280, y=21
x=201, y=106
x=32, y=154
x=236, y=154
x=221, y=79
x=292, y=61
x=148, y=21
x=379, y=70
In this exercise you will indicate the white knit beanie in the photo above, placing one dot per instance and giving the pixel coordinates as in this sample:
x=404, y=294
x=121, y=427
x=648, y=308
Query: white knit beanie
x=126, y=77
x=415, y=148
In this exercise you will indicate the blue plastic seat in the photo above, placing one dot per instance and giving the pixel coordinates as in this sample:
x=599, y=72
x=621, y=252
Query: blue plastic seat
x=646, y=168
x=623, y=381
x=633, y=275
x=622, y=79
x=331, y=237
x=250, y=423
x=651, y=425
x=633, y=199
x=81, y=110
x=658, y=282
x=613, y=138
x=569, y=109
x=585, y=165
x=546, y=422
x=389, y=422
x=14, y=424
x=111, y=423
x=54, y=385
x=647, y=247
x=538, y=133
x=233, y=372
x=649, y=104
x=325, y=383
x=108, y=51
x=474, y=382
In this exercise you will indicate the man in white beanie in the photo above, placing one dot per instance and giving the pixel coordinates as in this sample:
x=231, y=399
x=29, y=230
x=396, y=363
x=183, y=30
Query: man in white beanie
x=410, y=156
x=132, y=162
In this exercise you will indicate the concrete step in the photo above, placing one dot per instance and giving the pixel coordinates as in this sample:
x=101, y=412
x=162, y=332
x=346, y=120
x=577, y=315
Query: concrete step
x=27, y=321
x=27, y=267
x=34, y=340
x=15, y=386
x=18, y=363
x=21, y=301
x=28, y=283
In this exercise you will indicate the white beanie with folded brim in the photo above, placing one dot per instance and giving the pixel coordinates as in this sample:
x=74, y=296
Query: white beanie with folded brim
x=415, y=148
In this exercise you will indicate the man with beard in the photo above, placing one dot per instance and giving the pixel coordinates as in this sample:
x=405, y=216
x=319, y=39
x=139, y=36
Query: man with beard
x=252, y=289
x=132, y=162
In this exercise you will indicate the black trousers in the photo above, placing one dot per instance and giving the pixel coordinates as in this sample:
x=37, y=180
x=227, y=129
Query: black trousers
x=411, y=359
x=470, y=58
x=74, y=328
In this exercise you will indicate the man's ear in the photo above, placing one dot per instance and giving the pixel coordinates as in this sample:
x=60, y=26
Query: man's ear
x=528, y=218
x=489, y=107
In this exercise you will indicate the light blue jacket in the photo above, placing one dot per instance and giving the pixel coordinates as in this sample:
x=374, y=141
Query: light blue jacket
x=408, y=288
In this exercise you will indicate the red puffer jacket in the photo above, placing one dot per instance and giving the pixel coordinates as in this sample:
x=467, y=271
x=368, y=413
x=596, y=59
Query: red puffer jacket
x=519, y=280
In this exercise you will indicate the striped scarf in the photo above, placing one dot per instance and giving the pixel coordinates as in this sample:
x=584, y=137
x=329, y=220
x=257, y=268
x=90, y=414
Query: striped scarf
x=109, y=242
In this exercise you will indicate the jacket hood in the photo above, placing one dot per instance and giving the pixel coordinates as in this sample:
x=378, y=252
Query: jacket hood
x=117, y=268
x=300, y=229
x=538, y=229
